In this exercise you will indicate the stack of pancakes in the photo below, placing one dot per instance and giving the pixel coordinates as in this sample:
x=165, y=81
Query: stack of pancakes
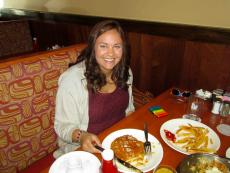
x=129, y=149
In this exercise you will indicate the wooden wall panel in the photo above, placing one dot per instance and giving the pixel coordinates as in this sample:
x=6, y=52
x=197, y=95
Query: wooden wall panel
x=206, y=65
x=158, y=64
x=135, y=52
x=64, y=34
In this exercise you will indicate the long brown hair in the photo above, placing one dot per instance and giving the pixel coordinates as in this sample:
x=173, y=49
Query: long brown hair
x=94, y=76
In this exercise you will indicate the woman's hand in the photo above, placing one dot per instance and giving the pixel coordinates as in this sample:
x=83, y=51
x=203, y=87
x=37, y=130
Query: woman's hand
x=88, y=141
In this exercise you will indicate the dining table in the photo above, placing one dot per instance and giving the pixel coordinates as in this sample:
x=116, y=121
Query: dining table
x=175, y=106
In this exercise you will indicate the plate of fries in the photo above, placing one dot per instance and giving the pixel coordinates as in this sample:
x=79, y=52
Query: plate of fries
x=190, y=136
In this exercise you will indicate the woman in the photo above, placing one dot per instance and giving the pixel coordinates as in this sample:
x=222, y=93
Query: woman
x=96, y=92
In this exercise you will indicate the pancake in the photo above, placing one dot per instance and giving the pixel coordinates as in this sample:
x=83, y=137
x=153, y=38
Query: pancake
x=129, y=149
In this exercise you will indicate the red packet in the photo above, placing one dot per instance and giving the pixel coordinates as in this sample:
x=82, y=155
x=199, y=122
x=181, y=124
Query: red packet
x=158, y=111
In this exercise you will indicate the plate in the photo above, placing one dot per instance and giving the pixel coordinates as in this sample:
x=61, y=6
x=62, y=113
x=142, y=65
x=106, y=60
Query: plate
x=173, y=126
x=76, y=161
x=157, y=149
x=228, y=153
x=224, y=129
x=204, y=163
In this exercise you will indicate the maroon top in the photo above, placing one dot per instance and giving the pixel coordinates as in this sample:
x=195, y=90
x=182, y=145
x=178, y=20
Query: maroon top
x=105, y=109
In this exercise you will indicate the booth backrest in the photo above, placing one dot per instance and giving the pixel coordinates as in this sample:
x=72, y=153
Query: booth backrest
x=28, y=86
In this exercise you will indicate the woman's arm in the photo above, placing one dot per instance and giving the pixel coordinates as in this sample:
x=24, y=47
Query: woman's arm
x=67, y=118
x=68, y=122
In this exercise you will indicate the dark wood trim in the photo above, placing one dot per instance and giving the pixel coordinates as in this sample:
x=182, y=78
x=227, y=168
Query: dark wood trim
x=180, y=31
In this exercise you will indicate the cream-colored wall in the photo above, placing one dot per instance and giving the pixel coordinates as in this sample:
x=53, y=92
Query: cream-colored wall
x=214, y=13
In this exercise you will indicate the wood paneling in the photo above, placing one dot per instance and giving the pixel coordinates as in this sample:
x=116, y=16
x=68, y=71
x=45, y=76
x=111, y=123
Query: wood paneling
x=156, y=62
x=162, y=62
x=64, y=34
x=206, y=65
x=162, y=55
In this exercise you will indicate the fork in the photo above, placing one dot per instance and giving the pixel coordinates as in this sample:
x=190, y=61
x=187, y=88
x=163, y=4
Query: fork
x=147, y=144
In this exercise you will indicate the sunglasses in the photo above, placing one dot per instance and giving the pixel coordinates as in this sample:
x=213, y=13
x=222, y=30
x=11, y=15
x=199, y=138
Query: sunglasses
x=177, y=92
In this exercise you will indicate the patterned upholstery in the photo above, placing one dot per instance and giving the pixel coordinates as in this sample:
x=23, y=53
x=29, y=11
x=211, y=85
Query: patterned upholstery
x=28, y=87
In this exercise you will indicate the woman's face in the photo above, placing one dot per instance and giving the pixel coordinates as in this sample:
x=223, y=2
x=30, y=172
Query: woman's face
x=108, y=50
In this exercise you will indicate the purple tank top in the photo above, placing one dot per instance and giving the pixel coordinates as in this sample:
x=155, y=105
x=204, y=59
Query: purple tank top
x=105, y=109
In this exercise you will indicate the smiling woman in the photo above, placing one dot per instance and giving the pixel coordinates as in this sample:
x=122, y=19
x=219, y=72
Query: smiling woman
x=103, y=76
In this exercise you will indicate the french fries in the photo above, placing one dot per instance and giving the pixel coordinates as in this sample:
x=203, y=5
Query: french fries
x=193, y=139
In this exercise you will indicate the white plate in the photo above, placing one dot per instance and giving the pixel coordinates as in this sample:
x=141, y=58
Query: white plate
x=139, y=134
x=76, y=161
x=228, y=153
x=173, y=126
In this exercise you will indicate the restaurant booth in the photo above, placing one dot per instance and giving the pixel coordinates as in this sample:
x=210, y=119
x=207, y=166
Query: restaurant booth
x=163, y=56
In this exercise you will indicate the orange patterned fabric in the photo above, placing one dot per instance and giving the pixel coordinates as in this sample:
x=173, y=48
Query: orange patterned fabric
x=28, y=88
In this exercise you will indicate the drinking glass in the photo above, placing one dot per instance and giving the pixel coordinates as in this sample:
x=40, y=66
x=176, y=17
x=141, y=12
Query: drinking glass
x=194, y=108
x=223, y=127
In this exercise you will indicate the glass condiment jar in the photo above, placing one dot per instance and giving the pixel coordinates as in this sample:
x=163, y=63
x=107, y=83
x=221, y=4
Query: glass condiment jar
x=225, y=108
x=108, y=165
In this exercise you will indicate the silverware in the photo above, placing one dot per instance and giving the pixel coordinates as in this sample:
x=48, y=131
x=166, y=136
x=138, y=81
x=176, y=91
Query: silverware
x=147, y=144
x=126, y=164
x=99, y=148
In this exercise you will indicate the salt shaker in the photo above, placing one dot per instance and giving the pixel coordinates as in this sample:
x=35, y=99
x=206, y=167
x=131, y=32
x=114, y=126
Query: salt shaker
x=108, y=165
x=216, y=106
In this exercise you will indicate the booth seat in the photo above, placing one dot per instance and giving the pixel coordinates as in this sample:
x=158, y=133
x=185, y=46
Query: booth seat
x=28, y=86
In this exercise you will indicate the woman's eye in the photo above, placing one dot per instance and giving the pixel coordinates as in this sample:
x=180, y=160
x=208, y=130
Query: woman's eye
x=117, y=46
x=102, y=46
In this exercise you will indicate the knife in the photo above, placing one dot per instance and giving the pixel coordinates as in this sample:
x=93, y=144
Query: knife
x=126, y=164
